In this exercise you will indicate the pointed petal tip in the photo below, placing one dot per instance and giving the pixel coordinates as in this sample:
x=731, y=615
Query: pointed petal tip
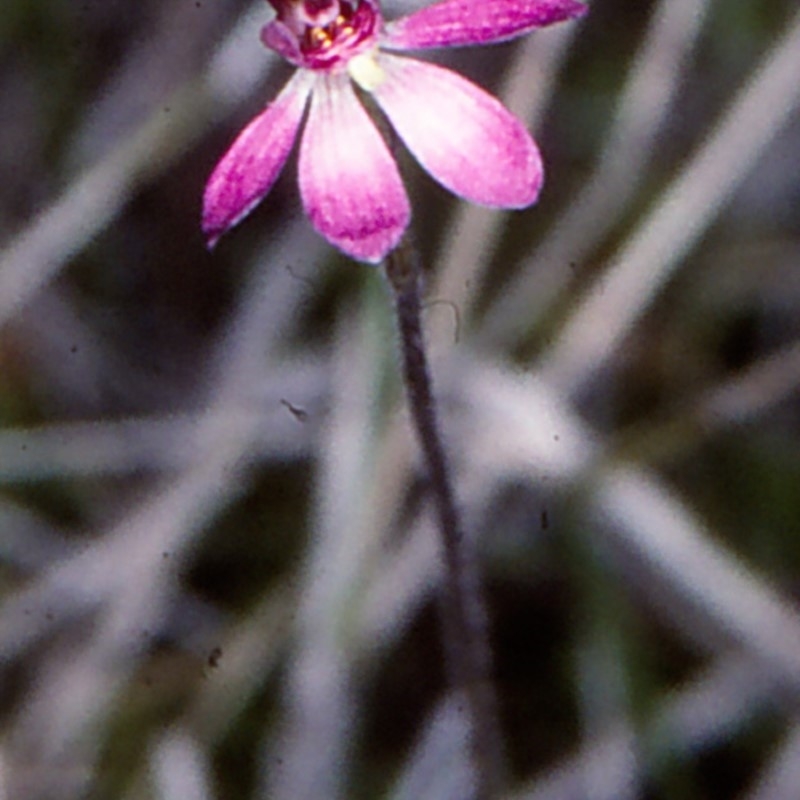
x=560, y=10
x=218, y=215
x=211, y=238
x=375, y=249
x=528, y=195
x=572, y=9
x=579, y=9
x=370, y=242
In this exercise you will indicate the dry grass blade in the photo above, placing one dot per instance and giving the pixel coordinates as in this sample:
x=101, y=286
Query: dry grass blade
x=689, y=205
x=95, y=198
x=655, y=78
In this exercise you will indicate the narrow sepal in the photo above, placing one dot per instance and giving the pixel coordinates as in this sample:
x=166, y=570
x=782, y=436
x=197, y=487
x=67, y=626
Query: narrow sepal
x=247, y=172
x=452, y=23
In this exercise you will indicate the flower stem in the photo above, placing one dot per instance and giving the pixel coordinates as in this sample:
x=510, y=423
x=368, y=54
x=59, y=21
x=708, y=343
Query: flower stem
x=462, y=607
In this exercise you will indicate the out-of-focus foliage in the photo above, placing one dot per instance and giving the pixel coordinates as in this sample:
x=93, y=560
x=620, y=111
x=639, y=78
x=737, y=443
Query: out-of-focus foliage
x=217, y=564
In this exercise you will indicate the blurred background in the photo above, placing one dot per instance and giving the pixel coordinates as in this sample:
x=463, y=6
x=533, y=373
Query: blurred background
x=217, y=558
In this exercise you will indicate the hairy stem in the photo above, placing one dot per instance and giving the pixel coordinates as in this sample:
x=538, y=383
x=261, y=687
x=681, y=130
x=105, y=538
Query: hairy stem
x=463, y=612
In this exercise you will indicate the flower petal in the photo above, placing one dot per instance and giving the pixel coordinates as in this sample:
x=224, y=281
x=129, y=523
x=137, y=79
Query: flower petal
x=462, y=136
x=250, y=167
x=451, y=23
x=350, y=185
x=278, y=36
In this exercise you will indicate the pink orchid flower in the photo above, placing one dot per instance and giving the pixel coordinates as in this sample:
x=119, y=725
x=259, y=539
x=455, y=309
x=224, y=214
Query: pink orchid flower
x=349, y=182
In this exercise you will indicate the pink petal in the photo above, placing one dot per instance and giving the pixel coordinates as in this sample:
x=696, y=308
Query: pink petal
x=462, y=136
x=278, y=36
x=450, y=23
x=250, y=167
x=350, y=185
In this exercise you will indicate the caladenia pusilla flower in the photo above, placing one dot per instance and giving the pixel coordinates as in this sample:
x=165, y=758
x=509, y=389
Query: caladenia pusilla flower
x=349, y=182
